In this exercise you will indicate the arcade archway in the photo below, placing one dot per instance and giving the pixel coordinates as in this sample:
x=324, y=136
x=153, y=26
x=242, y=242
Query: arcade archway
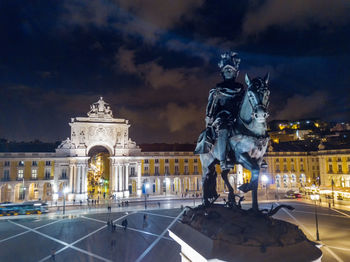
x=98, y=173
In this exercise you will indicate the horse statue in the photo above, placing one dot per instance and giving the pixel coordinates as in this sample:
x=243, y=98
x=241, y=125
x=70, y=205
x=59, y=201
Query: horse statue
x=246, y=145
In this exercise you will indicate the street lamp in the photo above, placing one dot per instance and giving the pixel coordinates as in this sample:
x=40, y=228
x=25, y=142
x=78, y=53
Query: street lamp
x=333, y=192
x=264, y=180
x=65, y=191
x=145, y=192
x=316, y=197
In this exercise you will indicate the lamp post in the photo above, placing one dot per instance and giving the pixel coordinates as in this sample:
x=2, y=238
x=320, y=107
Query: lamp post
x=264, y=180
x=65, y=191
x=316, y=197
x=146, y=187
x=333, y=192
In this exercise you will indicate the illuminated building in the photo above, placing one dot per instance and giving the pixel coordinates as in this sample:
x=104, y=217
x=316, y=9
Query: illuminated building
x=99, y=160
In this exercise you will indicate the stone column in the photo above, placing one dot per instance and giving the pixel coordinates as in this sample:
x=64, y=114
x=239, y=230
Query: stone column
x=84, y=178
x=71, y=178
x=120, y=178
x=77, y=181
x=115, y=178
x=126, y=181
x=139, y=191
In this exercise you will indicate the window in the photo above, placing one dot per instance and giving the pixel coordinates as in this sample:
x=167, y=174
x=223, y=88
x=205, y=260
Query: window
x=166, y=160
x=301, y=160
x=6, y=174
x=176, y=169
x=64, y=174
x=156, y=170
x=339, y=159
x=302, y=167
x=176, y=160
x=312, y=160
x=330, y=168
x=132, y=171
x=195, y=160
x=7, y=163
x=146, y=169
x=329, y=159
x=277, y=160
x=21, y=163
x=277, y=168
x=47, y=174
x=292, y=160
x=167, y=170
x=186, y=170
x=156, y=161
x=284, y=160
x=34, y=163
x=340, y=169
x=48, y=163
x=146, y=161
x=284, y=167
x=186, y=160
x=20, y=173
x=34, y=174
x=196, y=169
x=292, y=167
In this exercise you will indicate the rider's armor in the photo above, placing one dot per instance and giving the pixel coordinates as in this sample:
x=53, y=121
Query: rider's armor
x=222, y=109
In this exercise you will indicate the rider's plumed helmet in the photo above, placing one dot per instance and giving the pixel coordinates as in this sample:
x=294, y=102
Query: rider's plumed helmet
x=229, y=59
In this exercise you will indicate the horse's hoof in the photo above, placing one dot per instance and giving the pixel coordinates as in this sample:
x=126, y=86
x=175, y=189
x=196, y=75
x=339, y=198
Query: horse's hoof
x=246, y=187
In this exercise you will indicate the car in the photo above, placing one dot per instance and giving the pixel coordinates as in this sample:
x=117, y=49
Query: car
x=297, y=195
x=291, y=195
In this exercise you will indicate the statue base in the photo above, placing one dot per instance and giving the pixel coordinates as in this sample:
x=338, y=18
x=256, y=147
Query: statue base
x=219, y=233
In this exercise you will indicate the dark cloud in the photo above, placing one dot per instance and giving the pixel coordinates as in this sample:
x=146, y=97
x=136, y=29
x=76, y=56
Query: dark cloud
x=155, y=61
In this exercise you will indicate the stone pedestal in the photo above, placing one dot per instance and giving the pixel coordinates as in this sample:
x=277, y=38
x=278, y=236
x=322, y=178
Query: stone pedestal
x=79, y=197
x=119, y=194
x=194, y=245
x=225, y=235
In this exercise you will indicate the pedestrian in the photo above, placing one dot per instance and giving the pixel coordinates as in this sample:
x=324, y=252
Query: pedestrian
x=81, y=202
x=125, y=224
x=53, y=257
x=73, y=201
x=158, y=204
x=109, y=209
x=144, y=224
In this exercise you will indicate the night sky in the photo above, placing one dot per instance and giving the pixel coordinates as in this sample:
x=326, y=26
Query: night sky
x=155, y=61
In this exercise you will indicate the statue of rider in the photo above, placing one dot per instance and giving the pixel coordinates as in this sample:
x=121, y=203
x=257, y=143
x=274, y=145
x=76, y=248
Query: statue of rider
x=223, y=104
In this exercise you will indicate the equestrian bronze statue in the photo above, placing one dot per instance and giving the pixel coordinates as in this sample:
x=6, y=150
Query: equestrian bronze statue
x=235, y=132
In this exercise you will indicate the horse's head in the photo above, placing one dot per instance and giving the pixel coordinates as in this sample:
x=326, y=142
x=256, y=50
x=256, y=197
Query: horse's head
x=258, y=96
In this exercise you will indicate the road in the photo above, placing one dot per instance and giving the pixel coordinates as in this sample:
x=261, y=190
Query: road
x=83, y=235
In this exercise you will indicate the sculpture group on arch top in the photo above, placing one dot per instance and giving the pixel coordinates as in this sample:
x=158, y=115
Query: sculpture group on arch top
x=99, y=128
x=235, y=133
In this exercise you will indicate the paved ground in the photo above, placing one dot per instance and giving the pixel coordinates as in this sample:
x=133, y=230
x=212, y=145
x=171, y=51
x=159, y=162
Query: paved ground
x=86, y=237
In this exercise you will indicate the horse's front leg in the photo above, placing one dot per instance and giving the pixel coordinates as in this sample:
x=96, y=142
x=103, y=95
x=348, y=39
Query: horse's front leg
x=252, y=165
x=231, y=195
x=255, y=181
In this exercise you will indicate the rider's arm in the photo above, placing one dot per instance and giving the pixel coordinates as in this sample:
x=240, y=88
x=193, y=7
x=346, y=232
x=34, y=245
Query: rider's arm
x=209, y=111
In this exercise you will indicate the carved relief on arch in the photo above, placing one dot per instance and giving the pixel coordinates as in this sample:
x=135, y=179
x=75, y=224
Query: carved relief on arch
x=101, y=133
x=92, y=131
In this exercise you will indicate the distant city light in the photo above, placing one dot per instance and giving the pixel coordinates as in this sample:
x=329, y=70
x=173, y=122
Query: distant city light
x=65, y=190
x=264, y=178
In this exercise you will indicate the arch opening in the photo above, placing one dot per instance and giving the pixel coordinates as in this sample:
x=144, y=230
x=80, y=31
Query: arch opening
x=98, y=173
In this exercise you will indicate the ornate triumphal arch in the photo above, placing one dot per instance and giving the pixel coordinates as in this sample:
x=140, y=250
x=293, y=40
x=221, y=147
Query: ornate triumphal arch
x=99, y=129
